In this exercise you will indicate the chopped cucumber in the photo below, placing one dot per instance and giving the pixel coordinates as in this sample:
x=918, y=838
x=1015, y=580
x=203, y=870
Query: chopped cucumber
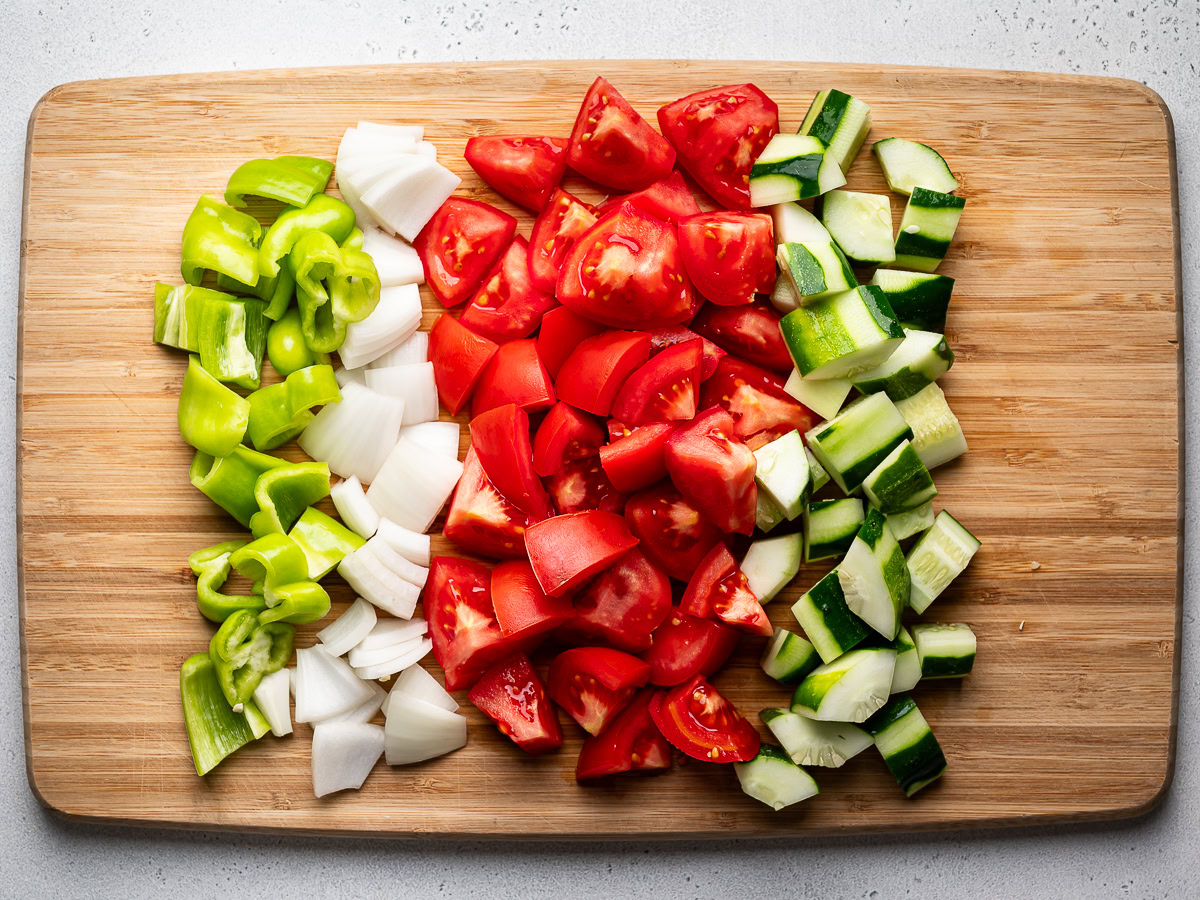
x=783, y=473
x=945, y=651
x=771, y=563
x=919, y=299
x=906, y=524
x=921, y=359
x=792, y=167
x=841, y=121
x=815, y=270
x=908, y=662
x=861, y=224
x=823, y=396
x=789, y=657
x=937, y=559
x=819, y=476
x=874, y=576
x=899, y=483
x=854, y=442
x=830, y=527
x=812, y=743
x=928, y=226
x=842, y=335
x=767, y=513
x=849, y=689
x=911, y=752
x=936, y=435
x=827, y=621
x=796, y=225
x=783, y=298
x=772, y=778
x=907, y=164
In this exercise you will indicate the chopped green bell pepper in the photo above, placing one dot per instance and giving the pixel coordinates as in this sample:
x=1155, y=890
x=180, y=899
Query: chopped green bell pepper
x=322, y=213
x=211, y=567
x=214, y=730
x=212, y=418
x=223, y=239
x=278, y=562
x=354, y=241
x=233, y=336
x=243, y=650
x=177, y=314
x=334, y=287
x=300, y=603
x=283, y=493
x=228, y=481
x=285, y=344
x=324, y=540
x=281, y=411
x=321, y=168
x=290, y=179
x=277, y=291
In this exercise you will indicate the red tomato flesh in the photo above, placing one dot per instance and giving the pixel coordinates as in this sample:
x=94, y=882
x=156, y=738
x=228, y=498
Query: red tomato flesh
x=761, y=409
x=685, y=646
x=480, y=519
x=523, y=168
x=565, y=435
x=566, y=551
x=507, y=306
x=729, y=256
x=500, y=439
x=720, y=589
x=562, y=331
x=559, y=225
x=636, y=461
x=459, y=357
x=673, y=533
x=631, y=743
x=621, y=606
x=669, y=200
x=670, y=335
x=614, y=146
x=512, y=696
x=698, y=720
x=593, y=684
x=663, y=389
x=459, y=244
x=750, y=332
x=714, y=470
x=522, y=607
x=583, y=485
x=592, y=375
x=514, y=375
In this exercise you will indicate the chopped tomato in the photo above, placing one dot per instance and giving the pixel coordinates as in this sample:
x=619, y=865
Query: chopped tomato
x=663, y=389
x=459, y=244
x=696, y=719
x=614, y=146
x=636, y=461
x=718, y=134
x=673, y=533
x=562, y=331
x=512, y=696
x=729, y=256
x=593, y=684
x=670, y=335
x=720, y=589
x=618, y=430
x=566, y=551
x=631, y=743
x=594, y=372
x=761, y=409
x=500, y=439
x=669, y=200
x=462, y=622
x=480, y=519
x=750, y=332
x=566, y=434
x=459, y=357
x=711, y=466
x=621, y=606
x=626, y=272
x=651, y=751
x=583, y=485
x=559, y=225
x=685, y=646
x=523, y=168
x=515, y=375
x=507, y=306
x=522, y=607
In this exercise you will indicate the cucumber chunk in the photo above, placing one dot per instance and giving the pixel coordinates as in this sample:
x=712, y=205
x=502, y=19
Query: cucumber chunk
x=921, y=359
x=783, y=473
x=907, y=164
x=849, y=689
x=899, y=483
x=927, y=228
x=789, y=657
x=861, y=224
x=819, y=476
x=937, y=559
x=906, y=524
x=771, y=563
x=919, y=299
x=908, y=662
x=841, y=121
x=793, y=167
x=945, y=651
x=842, y=335
x=827, y=621
x=907, y=745
x=936, y=435
x=772, y=778
x=812, y=743
x=815, y=270
x=823, y=396
x=767, y=513
x=859, y=438
x=830, y=527
x=874, y=577
x=783, y=296
x=796, y=225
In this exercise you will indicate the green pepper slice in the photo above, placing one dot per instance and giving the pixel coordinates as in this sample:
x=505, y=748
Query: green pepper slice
x=211, y=567
x=220, y=238
x=228, y=481
x=324, y=540
x=243, y=650
x=283, y=493
x=290, y=179
x=212, y=418
x=214, y=730
x=281, y=411
x=322, y=213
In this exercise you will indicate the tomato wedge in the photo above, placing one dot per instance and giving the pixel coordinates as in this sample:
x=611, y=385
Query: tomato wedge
x=614, y=146
x=593, y=684
x=522, y=607
x=480, y=519
x=664, y=389
x=673, y=533
x=761, y=409
x=720, y=589
x=750, y=332
x=685, y=646
x=514, y=375
x=631, y=743
x=592, y=375
x=566, y=551
x=512, y=696
x=621, y=606
x=583, y=485
x=729, y=256
x=636, y=461
x=562, y=331
x=718, y=134
x=500, y=439
x=459, y=244
x=459, y=357
x=523, y=168
x=559, y=225
x=669, y=200
x=626, y=272
x=507, y=306
x=462, y=622
x=698, y=720
x=566, y=434
x=713, y=468
x=670, y=335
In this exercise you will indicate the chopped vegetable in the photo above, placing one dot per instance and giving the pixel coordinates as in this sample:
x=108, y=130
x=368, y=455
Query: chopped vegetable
x=212, y=418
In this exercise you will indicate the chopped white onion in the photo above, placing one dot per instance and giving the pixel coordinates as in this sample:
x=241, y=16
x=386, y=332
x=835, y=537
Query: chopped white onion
x=343, y=755
x=344, y=376
x=413, y=484
x=397, y=562
x=426, y=148
x=412, y=545
x=405, y=199
x=356, y=435
x=364, y=712
x=417, y=682
x=359, y=143
x=414, y=384
x=390, y=632
x=359, y=657
x=414, y=350
x=440, y=436
x=292, y=680
x=398, y=664
x=415, y=132
x=357, y=513
x=325, y=685
x=378, y=584
x=348, y=629
x=396, y=260
x=417, y=731
x=393, y=321
x=271, y=698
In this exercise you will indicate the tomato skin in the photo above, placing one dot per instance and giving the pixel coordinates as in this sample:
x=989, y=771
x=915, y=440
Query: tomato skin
x=480, y=519
x=506, y=306
x=583, y=485
x=511, y=695
x=565, y=435
x=631, y=743
x=559, y=225
x=729, y=256
x=593, y=684
x=514, y=375
x=761, y=409
x=614, y=146
x=621, y=606
x=718, y=134
x=636, y=461
x=750, y=332
x=673, y=533
x=669, y=200
x=562, y=331
x=625, y=272
x=714, y=470
x=459, y=244
x=670, y=335
x=500, y=439
x=719, y=588
x=523, y=168
x=685, y=647
x=522, y=608
x=566, y=551
x=459, y=357
x=698, y=720
x=594, y=372
x=663, y=389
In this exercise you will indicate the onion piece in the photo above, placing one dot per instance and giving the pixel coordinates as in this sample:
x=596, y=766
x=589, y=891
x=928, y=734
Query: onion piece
x=412, y=545
x=365, y=711
x=398, y=664
x=344, y=376
x=397, y=563
x=343, y=755
x=390, y=632
x=348, y=629
x=426, y=148
x=414, y=384
x=405, y=199
x=364, y=144
x=292, y=680
x=360, y=658
x=356, y=435
x=415, y=132
x=444, y=437
x=394, y=320
x=396, y=260
x=271, y=698
x=377, y=583
x=417, y=731
x=357, y=513
x=417, y=682
x=414, y=350
x=325, y=685
x=413, y=484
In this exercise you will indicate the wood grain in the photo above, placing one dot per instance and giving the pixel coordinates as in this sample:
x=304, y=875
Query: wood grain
x=1066, y=325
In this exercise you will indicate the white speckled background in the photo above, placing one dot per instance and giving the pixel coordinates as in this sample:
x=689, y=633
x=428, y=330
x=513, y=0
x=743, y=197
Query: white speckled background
x=47, y=43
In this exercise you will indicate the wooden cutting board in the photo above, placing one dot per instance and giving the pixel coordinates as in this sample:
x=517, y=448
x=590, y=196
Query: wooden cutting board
x=1065, y=321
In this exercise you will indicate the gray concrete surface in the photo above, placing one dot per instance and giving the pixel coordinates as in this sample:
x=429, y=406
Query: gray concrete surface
x=46, y=43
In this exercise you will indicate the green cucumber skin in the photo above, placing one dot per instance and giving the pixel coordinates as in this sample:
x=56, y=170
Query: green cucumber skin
x=802, y=169
x=923, y=305
x=947, y=666
x=806, y=270
x=804, y=323
x=919, y=245
x=907, y=381
x=905, y=484
x=925, y=198
x=824, y=549
x=852, y=477
x=795, y=659
x=823, y=121
x=917, y=764
x=840, y=630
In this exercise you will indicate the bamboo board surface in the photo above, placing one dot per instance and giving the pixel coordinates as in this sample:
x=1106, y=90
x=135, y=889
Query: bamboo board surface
x=1065, y=321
